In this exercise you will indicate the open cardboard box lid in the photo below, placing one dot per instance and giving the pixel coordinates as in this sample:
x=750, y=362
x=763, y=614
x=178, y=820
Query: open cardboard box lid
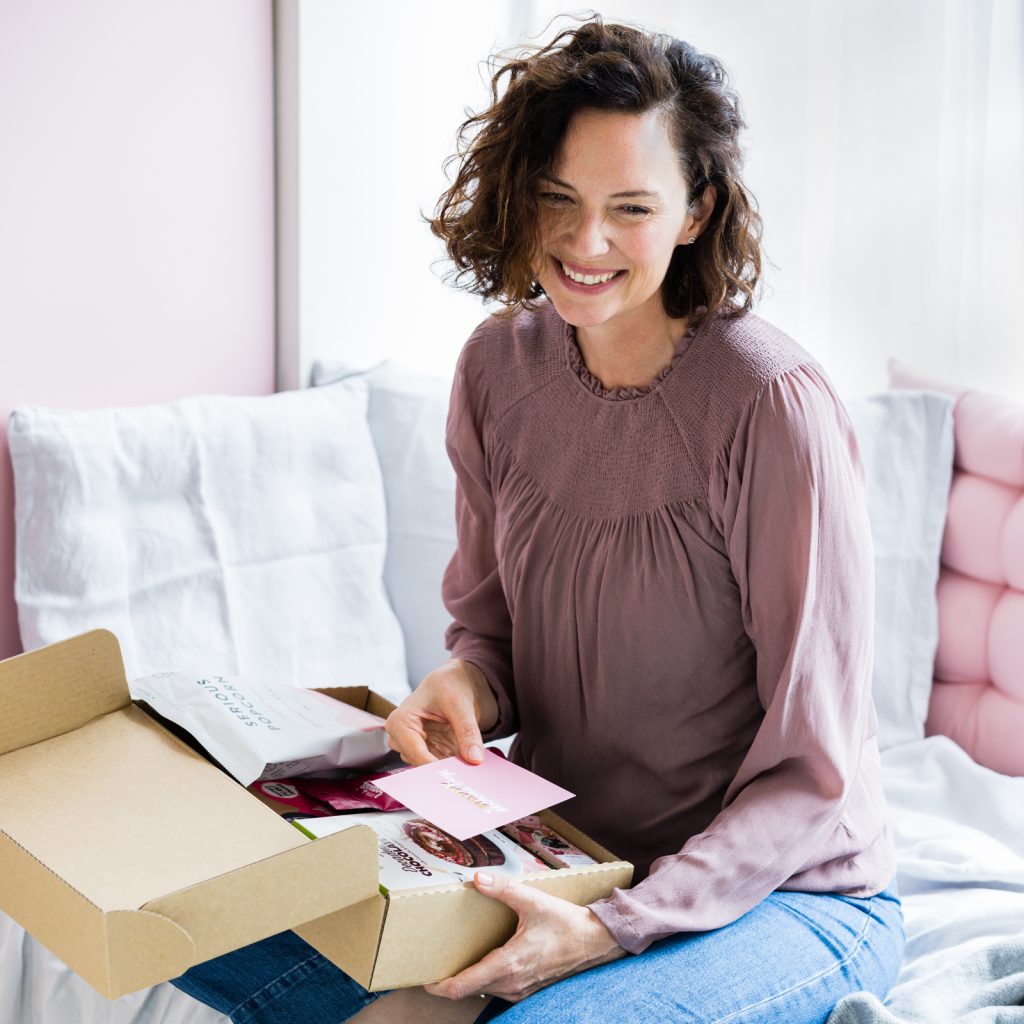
x=127, y=853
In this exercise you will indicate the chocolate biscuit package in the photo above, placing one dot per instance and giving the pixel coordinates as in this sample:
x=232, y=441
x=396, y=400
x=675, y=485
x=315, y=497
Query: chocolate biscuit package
x=412, y=852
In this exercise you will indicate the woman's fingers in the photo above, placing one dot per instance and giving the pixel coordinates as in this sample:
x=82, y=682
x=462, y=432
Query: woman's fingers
x=467, y=733
x=440, y=718
x=441, y=739
x=406, y=736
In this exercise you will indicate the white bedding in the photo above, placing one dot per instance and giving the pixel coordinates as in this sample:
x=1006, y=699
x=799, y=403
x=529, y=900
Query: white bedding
x=959, y=832
x=36, y=988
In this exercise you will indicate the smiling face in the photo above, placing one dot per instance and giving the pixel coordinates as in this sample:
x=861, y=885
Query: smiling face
x=611, y=214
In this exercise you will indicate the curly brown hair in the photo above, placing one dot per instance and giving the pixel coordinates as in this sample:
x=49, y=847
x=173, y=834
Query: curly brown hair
x=488, y=217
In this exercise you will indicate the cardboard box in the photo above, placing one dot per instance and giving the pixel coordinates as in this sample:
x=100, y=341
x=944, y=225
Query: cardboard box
x=419, y=936
x=132, y=857
x=124, y=851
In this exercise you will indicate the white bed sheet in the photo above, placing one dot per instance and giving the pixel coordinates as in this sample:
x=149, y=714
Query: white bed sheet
x=36, y=988
x=959, y=833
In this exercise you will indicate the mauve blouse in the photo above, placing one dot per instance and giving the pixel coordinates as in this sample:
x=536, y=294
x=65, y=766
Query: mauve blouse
x=669, y=590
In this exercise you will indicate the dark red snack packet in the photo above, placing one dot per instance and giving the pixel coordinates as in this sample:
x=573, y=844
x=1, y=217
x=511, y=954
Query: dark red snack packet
x=287, y=792
x=354, y=794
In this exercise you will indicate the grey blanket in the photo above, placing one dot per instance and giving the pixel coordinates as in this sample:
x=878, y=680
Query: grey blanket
x=986, y=987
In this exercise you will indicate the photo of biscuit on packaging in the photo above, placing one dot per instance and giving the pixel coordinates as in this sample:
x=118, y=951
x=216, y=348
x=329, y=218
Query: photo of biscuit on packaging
x=412, y=852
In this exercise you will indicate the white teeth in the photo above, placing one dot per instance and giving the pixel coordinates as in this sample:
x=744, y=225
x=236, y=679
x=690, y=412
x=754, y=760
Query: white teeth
x=587, y=278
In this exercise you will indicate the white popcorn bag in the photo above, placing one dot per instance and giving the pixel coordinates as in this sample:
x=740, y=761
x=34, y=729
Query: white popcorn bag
x=256, y=731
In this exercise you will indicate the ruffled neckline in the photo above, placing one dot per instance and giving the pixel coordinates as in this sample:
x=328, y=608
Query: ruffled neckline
x=592, y=383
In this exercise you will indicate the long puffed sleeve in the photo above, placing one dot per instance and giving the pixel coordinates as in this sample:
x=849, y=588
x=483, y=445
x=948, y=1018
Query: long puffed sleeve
x=481, y=632
x=788, y=499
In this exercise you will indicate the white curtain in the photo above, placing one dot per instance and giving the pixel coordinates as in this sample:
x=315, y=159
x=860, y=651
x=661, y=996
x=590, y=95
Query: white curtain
x=885, y=147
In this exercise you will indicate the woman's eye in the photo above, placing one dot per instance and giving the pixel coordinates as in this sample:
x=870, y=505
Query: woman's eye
x=560, y=199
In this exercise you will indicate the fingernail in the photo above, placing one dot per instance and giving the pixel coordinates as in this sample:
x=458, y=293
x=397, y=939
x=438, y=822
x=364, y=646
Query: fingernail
x=484, y=879
x=475, y=753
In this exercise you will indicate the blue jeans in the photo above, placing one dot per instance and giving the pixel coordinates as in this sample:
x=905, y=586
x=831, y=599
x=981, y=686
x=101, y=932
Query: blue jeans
x=790, y=959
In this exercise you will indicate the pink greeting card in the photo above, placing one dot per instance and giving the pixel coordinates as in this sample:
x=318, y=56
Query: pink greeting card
x=467, y=799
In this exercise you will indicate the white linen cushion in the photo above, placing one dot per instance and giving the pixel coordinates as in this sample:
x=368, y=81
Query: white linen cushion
x=407, y=414
x=906, y=441
x=238, y=535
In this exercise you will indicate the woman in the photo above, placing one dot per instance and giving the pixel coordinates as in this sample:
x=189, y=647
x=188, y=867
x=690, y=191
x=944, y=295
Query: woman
x=663, y=580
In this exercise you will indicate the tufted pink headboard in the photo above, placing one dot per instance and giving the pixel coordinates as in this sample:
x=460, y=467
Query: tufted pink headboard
x=978, y=694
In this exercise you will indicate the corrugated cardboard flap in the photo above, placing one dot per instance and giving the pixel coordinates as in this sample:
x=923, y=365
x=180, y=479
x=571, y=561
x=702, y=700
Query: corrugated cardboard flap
x=276, y=893
x=360, y=697
x=350, y=938
x=83, y=936
x=142, y=950
x=60, y=688
x=126, y=813
x=121, y=951
x=128, y=854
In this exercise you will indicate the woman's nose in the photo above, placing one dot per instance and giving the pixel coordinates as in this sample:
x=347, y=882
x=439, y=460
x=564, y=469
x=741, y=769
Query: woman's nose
x=588, y=236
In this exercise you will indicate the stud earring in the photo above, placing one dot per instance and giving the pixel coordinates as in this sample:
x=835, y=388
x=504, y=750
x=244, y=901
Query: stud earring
x=692, y=239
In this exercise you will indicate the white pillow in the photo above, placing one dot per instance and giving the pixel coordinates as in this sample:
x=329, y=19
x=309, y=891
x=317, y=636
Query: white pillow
x=239, y=535
x=407, y=416
x=906, y=440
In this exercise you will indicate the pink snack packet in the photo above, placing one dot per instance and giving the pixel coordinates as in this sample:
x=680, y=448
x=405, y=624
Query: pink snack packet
x=540, y=839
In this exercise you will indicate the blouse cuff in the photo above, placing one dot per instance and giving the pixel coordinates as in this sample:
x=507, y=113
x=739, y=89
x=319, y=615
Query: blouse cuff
x=621, y=927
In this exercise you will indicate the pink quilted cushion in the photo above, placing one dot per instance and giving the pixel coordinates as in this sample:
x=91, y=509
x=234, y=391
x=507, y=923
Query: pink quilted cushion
x=978, y=694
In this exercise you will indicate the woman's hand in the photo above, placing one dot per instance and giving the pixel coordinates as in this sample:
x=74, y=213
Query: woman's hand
x=444, y=715
x=554, y=940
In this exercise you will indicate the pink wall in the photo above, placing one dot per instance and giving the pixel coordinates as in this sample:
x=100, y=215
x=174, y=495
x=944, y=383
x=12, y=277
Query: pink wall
x=136, y=211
